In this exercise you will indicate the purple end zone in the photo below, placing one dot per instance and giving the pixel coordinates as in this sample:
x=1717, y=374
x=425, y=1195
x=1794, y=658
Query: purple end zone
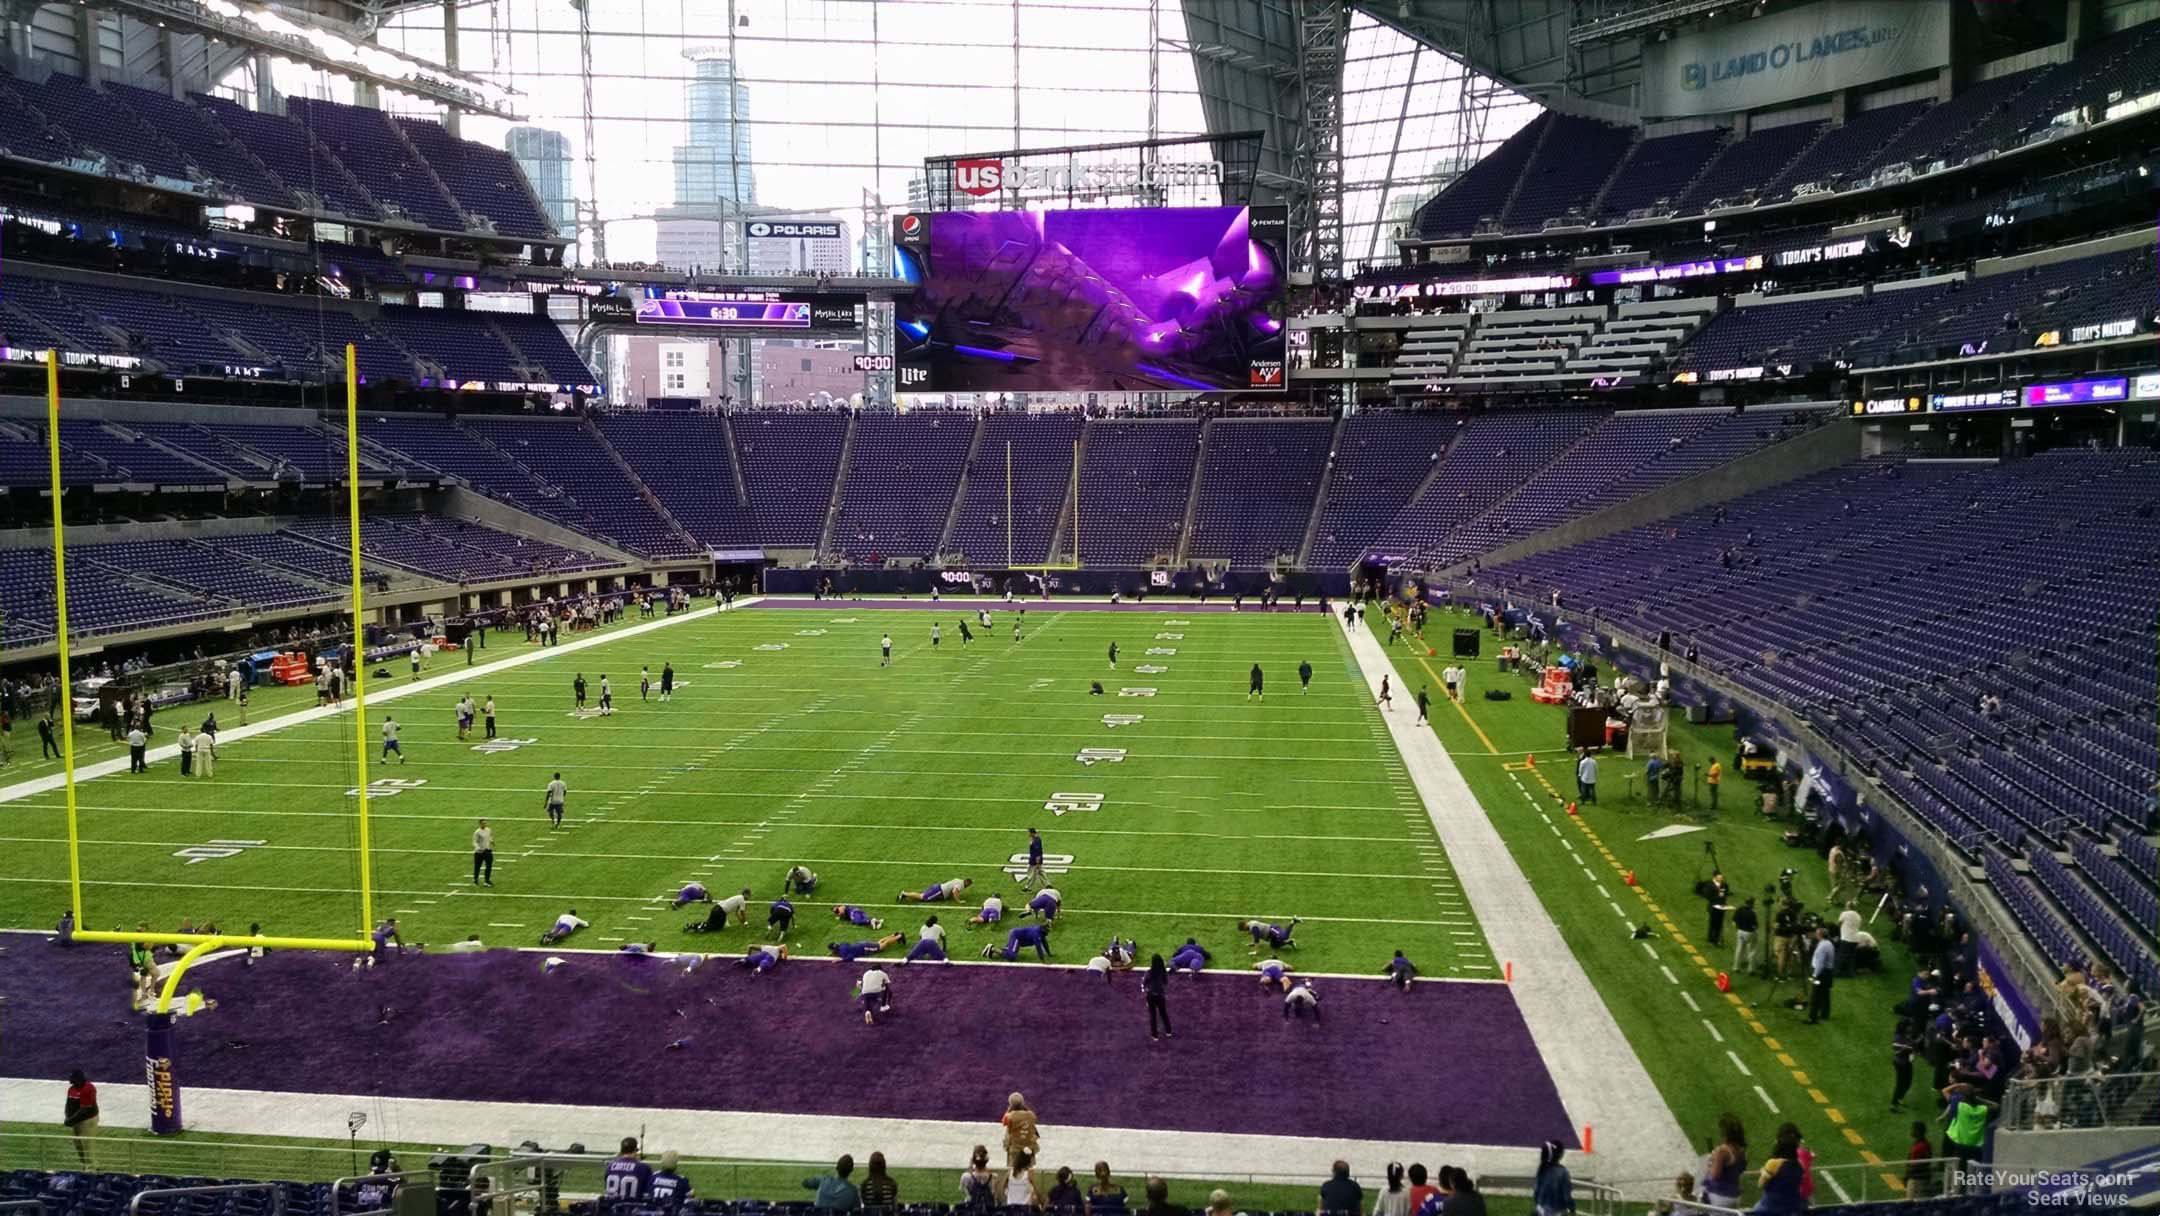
x=1447, y=1062
x=998, y=607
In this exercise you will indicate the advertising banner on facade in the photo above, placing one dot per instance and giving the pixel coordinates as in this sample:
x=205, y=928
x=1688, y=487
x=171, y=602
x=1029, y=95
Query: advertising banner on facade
x=1787, y=56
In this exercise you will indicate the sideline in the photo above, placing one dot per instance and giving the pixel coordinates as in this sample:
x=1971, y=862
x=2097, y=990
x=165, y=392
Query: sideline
x=410, y=688
x=1601, y=1081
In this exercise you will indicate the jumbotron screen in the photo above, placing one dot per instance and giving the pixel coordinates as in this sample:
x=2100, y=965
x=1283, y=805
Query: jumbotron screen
x=1158, y=298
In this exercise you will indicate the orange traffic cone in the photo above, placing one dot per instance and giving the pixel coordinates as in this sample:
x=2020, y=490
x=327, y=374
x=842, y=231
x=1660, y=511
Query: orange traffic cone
x=1529, y=760
x=1628, y=878
x=1724, y=982
x=1571, y=808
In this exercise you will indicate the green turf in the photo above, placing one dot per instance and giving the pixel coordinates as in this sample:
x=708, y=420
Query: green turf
x=1844, y=1062
x=879, y=779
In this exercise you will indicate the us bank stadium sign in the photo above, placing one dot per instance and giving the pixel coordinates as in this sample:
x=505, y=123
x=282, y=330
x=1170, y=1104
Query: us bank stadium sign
x=1799, y=53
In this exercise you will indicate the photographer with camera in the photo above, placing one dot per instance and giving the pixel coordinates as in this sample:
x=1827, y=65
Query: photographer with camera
x=1785, y=927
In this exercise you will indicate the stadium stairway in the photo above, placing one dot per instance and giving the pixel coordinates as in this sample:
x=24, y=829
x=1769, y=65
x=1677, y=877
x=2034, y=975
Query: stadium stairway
x=1060, y=533
x=839, y=485
x=683, y=535
x=1320, y=496
x=960, y=488
x=1192, y=494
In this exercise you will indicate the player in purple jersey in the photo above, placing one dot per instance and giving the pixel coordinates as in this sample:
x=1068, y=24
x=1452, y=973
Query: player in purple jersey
x=993, y=911
x=848, y=952
x=1020, y=938
x=1400, y=971
x=1277, y=937
x=1191, y=956
x=384, y=934
x=780, y=916
x=692, y=893
x=627, y=1180
x=856, y=916
x=565, y=925
x=939, y=892
x=761, y=959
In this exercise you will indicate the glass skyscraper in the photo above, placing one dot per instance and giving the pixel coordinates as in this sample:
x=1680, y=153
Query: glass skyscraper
x=712, y=167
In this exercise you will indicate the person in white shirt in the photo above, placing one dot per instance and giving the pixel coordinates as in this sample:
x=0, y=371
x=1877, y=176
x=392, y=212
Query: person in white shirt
x=607, y=695
x=390, y=740
x=874, y=989
x=206, y=754
x=565, y=925
x=1848, y=934
x=885, y=650
x=483, y=854
x=929, y=943
x=1301, y=1000
x=1586, y=777
x=556, y=799
x=138, y=746
x=940, y=892
x=993, y=911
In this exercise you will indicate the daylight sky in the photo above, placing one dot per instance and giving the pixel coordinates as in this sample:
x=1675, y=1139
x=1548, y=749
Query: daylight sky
x=848, y=95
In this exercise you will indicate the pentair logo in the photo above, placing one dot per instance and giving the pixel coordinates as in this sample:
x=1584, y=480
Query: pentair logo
x=979, y=176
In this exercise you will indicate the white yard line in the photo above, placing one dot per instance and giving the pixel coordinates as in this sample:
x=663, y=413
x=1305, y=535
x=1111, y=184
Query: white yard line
x=1600, y=1079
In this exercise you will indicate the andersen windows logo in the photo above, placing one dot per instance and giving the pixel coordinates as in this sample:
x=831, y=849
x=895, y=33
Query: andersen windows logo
x=982, y=176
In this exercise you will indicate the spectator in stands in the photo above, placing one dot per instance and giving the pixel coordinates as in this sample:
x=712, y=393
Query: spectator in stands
x=1683, y=1192
x=1341, y=1193
x=81, y=1113
x=1065, y=1194
x=1395, y=1200
x=669, y=1190
x=977, y=1182
x=1103, y=1194
x=1017, y=1186
x=1965, y=1119
x=878, y=1190
x=1158, y=1199
x=1420, y=1189
x=1553, y=1192
x=1728, y=1161
x=834, y=1192
x=1921, y=1174
x=1782, y=1177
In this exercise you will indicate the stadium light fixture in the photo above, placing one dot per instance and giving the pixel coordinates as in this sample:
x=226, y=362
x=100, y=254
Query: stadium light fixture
x=1643, y=20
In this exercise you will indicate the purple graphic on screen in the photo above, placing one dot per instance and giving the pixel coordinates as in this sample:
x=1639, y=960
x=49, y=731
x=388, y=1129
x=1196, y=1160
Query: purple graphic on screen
x=725, y=313
x=1153, y=298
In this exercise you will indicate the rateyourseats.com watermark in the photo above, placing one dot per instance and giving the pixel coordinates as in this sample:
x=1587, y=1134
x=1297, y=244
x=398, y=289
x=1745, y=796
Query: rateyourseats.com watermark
x=2071, y=1189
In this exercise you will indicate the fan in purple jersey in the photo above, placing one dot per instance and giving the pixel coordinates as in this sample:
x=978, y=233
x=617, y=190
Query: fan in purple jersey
x=668, y=1190
x=692, y=893
x=939, y=892
x=627, y=1181
x=1021, y=938
x=1277, y=937
x=1191, y=956
x=761, y=959
x=848, y=952
x=1274, y=973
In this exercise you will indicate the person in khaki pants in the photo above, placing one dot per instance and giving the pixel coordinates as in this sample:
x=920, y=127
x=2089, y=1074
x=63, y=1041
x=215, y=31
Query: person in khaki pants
x=82, y=1113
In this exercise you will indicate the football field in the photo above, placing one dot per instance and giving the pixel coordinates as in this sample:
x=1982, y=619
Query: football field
x=1171, y=805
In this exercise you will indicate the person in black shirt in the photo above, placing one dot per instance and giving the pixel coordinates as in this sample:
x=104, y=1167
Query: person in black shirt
x=1746, y=954
x=1341, y=1193
x=1304, y=676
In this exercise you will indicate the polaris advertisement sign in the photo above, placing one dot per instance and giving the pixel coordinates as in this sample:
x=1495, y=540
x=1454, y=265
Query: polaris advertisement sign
x=1791, y=55
x=766, y=230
